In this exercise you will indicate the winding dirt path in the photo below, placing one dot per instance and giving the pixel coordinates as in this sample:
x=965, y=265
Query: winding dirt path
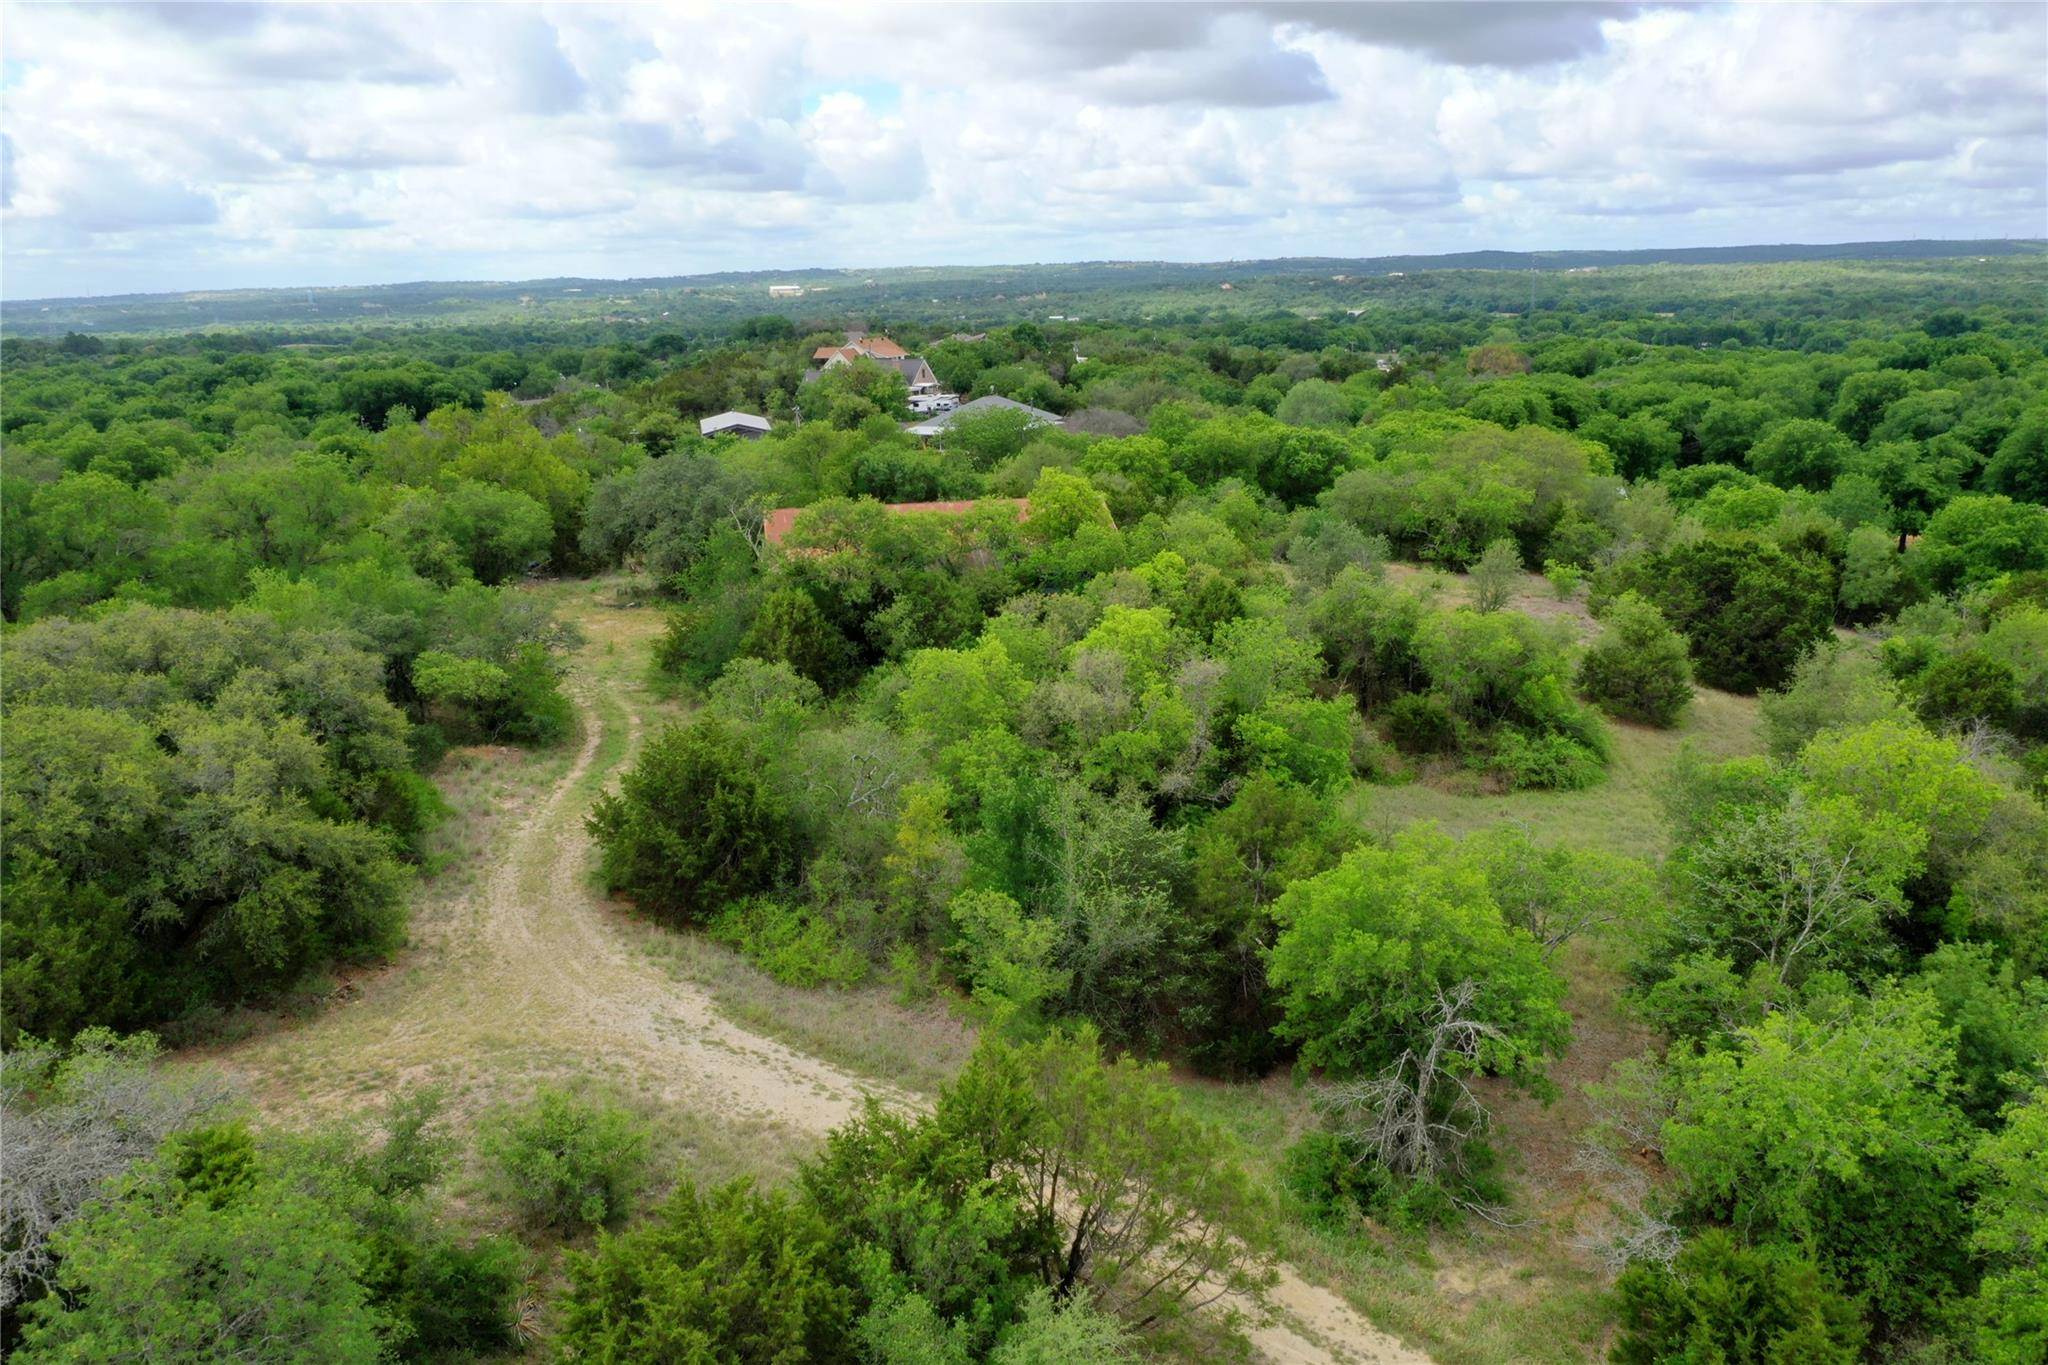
x=526, y=973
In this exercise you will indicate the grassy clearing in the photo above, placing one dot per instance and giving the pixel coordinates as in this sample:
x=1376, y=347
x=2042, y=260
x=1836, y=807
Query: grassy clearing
x=1623, y=814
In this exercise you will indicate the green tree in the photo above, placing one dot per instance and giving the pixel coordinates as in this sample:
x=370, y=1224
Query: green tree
x=188, y=813
x=2019, y=469
x=2000, y=1016
x=1836, y=1132
x=693, y=827
x=1861, y=401
x=1874, y=581
x=1974, y=539
x=1272, y=834
x=735, y=1275
x=1366, y=950
x=1315, y=403
x=497, y=532
x=1729, y=1304
x=986, y=439
x=1747, y=608
x=1965, y=688
x=2011, y=1214
x=170, y=1268
x=1637, y=669
x=1061, y=504
x=791, y=629
x=1121, y=1180
x=1801, y=453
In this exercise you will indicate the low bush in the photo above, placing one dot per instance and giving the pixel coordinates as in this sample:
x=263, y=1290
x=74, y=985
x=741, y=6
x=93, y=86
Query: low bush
x=798, y=947
x=565, y=1162
x=1336, y=1181
x=1721, y=1301
x=1418, y=723
x=1637, y=670
x=1546, y=762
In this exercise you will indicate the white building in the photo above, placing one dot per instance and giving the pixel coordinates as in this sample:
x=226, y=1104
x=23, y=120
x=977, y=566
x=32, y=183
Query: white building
x=744, y=425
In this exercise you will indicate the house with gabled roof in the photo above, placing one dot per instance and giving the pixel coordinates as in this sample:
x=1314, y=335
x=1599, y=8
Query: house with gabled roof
x=925, y=393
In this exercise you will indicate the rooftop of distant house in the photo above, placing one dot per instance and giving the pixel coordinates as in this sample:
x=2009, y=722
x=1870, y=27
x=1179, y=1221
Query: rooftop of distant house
x=778, y=523
x=936, y=425
x=856, y=345
x=733, y=421
x=879, y=349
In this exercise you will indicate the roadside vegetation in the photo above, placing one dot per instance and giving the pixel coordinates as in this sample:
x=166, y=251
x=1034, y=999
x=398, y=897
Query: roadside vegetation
x=1535, y=822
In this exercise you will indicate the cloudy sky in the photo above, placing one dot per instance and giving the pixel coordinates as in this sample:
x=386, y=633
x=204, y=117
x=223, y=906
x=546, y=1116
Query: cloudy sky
x=191, y=146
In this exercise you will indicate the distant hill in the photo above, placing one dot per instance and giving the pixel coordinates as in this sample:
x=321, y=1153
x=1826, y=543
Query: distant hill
x=684, y=301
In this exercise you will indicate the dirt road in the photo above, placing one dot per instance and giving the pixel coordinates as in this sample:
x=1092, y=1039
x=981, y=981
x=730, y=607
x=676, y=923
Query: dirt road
x=523, y=972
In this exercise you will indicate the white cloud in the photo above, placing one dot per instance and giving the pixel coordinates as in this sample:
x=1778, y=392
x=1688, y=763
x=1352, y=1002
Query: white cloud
x=198, y=145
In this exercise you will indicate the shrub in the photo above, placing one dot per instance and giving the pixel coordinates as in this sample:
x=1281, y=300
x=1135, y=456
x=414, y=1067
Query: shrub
x=1637, y=670
x=1549, y=762
x=1564, y=578
x=736, y=1275
x=1418, y=723
x=460, y=1298
x=798, y=947
x=1332, y=1180
x=1495, y=574
x=1833, y=686
x=1336, y=1180
x=1748, y=608
x=1005, y=958
x=566, y=1162
x=693, y=826
x=1723, y=1302
x=1071, y=1331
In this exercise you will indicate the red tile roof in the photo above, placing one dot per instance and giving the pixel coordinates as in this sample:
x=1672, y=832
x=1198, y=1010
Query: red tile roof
x=778, y=523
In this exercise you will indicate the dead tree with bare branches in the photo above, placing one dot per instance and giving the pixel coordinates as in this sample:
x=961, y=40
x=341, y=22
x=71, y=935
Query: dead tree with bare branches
x=1419, y=1115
